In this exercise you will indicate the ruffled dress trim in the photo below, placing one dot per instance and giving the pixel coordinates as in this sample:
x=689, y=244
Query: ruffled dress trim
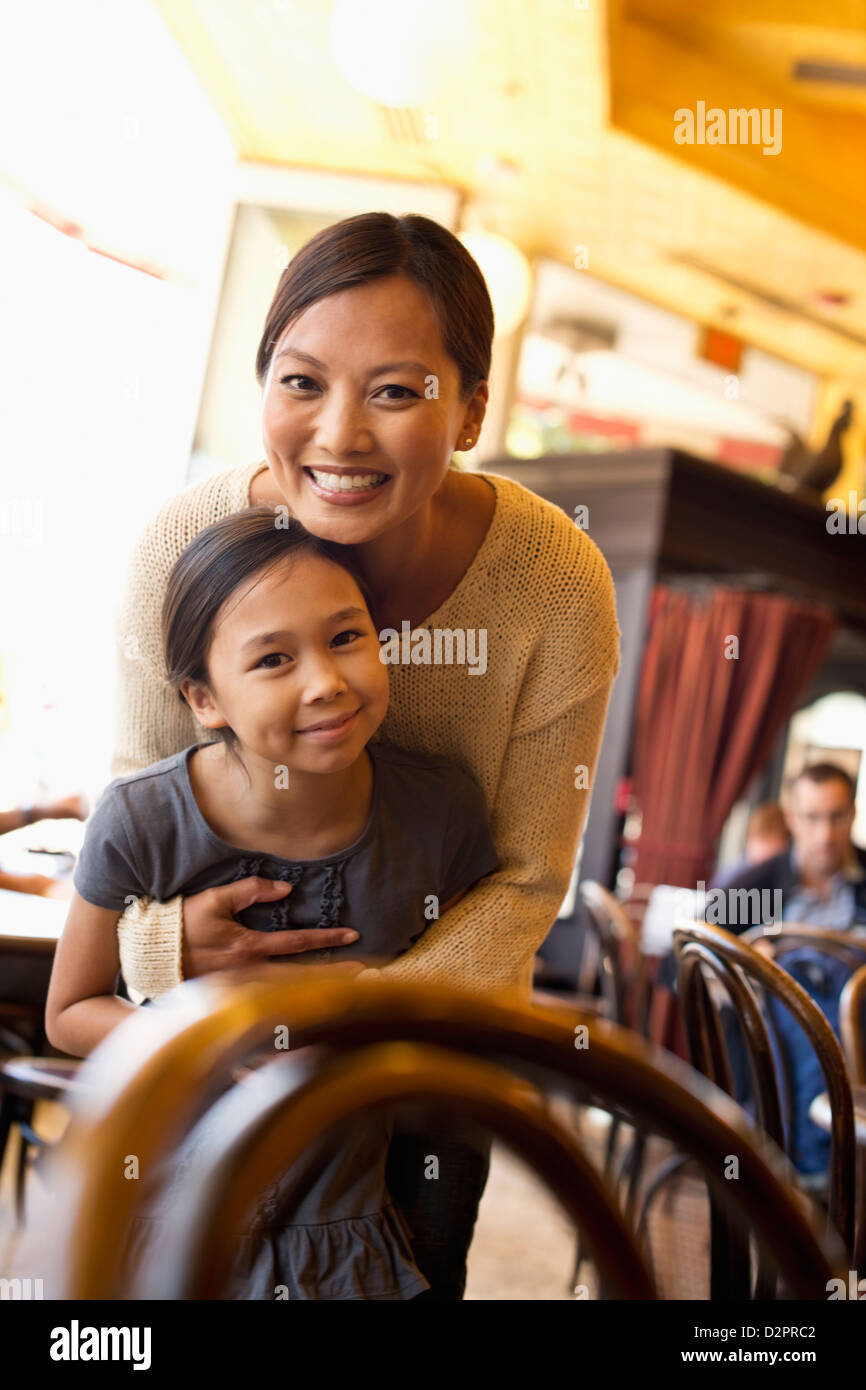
x=359, y=1259
x=331, y=898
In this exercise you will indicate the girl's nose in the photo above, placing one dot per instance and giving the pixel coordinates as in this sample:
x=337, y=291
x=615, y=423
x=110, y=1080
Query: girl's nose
x=322, y=679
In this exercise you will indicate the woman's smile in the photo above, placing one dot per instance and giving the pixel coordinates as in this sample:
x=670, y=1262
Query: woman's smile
x=346, y=486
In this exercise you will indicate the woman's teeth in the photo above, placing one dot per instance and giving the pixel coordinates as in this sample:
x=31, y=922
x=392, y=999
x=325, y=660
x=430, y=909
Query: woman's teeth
x=343, y=482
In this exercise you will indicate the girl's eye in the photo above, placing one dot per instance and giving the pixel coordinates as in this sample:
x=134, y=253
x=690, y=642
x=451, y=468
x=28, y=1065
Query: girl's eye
x=349, y=632
x=272, y=657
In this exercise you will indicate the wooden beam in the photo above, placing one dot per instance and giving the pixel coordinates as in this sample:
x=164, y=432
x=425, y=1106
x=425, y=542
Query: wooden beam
x=819, y=174
x=829, y=14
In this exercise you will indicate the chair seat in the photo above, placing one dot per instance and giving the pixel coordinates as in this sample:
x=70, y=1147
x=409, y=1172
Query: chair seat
x=38, y=1078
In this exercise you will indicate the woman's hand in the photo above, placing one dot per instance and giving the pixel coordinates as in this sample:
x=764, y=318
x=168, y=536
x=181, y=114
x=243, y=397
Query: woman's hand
x=214, y=940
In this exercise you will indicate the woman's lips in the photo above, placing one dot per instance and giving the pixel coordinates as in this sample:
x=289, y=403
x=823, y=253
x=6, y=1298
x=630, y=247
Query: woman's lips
x=347, y=498
x=332, y=735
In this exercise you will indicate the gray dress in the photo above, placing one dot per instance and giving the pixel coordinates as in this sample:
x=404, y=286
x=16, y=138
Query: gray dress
x=427, y=835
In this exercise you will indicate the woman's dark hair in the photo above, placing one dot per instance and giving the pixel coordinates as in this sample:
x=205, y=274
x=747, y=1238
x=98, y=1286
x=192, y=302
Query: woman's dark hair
x=211, y=568
x=371, y=246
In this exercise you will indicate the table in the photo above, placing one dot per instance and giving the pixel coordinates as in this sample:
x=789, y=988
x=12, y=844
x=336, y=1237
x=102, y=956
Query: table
x=30, y=925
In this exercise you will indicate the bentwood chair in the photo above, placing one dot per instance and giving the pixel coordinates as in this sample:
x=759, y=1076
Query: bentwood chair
x=22, y=1027
x=711, y=959
x=377, y=1045
x=787, y=944
x=622, y=976
x=614, y=960
x=852, y=1008
x=852, y=1031
x=23, y=1082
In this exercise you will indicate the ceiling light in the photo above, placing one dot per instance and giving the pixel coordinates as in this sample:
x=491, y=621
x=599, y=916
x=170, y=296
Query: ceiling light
x=403, y=52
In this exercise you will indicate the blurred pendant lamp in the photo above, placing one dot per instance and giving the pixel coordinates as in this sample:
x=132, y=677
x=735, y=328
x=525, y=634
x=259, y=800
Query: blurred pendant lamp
x=403, y=52
x=508, y=275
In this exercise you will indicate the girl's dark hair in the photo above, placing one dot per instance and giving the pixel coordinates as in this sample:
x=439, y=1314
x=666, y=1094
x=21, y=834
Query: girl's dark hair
x=371, y=246
x=212, y=567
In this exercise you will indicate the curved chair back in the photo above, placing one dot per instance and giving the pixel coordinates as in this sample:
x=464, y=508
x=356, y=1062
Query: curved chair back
x=624, y=981
x=154, y=1075
x=852, y=1005
x=709, y=953
x=196, y=1262
x=790, y=936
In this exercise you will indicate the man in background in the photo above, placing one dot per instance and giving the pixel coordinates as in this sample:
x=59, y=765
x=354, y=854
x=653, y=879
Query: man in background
x=822, y=876
x=821, y=881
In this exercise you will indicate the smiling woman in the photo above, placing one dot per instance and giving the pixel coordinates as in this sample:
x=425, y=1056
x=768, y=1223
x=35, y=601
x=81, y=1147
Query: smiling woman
x=374, y=361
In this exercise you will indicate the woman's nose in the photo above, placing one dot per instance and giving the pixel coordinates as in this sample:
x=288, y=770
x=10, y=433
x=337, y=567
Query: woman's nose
x=341, y=427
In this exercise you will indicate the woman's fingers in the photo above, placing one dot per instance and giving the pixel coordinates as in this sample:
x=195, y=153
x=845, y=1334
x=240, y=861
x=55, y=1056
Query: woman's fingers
x=292, y=943
x=215, y=940
x=234, y=897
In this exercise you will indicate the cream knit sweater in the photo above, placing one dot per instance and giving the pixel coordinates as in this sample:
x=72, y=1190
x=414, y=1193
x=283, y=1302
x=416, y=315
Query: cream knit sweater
x=543, y=591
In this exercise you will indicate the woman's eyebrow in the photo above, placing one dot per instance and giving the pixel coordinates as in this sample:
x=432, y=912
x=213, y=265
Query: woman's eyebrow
x=262, y=639
x=405, y=365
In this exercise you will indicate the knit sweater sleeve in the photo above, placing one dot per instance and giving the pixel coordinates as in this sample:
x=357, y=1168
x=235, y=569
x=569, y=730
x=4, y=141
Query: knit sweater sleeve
x=488, y=940
x=151, y=722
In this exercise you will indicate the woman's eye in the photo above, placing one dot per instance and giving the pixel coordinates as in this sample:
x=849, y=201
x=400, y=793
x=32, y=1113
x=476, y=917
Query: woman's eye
x=395, y=387
x=271, y=661
x=306, y=383
x=349, y=632
x=285, y=379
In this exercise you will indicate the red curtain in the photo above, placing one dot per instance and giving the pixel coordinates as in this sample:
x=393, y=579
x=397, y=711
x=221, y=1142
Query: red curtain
x=707, y=720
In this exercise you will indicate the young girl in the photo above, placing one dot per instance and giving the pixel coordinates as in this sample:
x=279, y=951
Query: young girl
x=268, y=635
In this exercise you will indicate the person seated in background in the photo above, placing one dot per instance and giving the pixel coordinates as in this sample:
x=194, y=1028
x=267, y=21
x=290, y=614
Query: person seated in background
x=822, y=876
x=820, y=880
x=767, y=835
x=68, y=808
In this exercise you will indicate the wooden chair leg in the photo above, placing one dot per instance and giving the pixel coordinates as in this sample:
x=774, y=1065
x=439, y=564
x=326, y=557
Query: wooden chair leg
x=18, y=1111
x=666, y=1170
x=609, y=1163
x=7, y=1119
x=859, y=1259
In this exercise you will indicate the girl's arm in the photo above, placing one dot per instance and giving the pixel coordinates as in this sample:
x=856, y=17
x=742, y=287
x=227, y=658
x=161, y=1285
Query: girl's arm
x=82, y=1006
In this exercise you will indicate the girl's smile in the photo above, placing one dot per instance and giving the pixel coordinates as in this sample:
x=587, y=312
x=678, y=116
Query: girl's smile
x=334, y=729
